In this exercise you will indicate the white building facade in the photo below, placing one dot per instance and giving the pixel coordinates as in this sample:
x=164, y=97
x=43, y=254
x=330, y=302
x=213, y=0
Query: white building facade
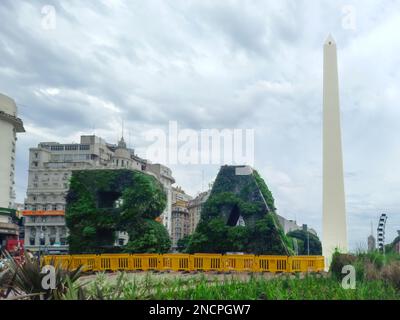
x=10, y=125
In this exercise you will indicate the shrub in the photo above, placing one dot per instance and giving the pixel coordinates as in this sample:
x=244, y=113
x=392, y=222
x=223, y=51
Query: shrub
x=339, y=260
x=25, y=280
x=371, y=273
x=391, y=274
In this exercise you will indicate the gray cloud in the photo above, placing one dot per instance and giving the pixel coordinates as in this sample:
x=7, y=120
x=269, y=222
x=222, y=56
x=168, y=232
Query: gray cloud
x=217, y=65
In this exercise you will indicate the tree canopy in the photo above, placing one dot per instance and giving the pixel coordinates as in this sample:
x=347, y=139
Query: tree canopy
x=301, y=238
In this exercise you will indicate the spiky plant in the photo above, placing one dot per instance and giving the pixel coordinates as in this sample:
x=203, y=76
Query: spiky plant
x=26, y=279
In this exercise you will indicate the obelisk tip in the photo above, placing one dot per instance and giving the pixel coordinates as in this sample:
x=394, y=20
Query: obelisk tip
x=330, y=41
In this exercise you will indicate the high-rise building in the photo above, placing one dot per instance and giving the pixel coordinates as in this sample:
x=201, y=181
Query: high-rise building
x=164, y=175
x=50, y=167
x=195, y=206
x=179, y=215
x=10, y=125
x=334, y=212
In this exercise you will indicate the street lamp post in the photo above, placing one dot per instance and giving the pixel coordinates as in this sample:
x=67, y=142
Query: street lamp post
x=305, y=228
x=40, y=244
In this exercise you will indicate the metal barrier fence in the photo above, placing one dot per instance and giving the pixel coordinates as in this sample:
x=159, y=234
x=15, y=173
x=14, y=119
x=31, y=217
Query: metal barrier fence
x=189, y=262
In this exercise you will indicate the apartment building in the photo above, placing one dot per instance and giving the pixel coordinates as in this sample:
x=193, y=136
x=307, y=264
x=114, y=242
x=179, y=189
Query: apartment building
x=180, y=224
x=194, y=207
x=10, y=125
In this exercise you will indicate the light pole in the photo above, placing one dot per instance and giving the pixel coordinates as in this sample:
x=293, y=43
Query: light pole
x=40, y=244
x=305, y=229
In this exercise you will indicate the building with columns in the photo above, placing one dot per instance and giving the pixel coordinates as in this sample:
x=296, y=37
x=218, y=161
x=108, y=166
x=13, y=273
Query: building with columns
x=50, y=167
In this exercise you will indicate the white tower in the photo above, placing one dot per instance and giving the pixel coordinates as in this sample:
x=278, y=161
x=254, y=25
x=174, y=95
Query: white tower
x=10, y=124
x=334, y=210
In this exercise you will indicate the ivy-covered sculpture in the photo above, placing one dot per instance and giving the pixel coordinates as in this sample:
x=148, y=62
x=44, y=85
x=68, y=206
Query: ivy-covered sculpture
x=239, y=216
x=102, y=202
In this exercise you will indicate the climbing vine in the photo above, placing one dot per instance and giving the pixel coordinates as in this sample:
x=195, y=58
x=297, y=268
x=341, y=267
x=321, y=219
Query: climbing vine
x=102, y=202
x=233, y=195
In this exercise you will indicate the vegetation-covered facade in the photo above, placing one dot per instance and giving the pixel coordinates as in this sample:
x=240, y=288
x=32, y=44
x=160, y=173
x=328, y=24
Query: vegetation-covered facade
x=233, y=197
x=102, y=202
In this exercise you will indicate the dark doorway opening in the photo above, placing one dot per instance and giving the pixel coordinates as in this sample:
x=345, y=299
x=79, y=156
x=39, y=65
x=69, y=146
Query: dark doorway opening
x=107, y=199
x=234, y=216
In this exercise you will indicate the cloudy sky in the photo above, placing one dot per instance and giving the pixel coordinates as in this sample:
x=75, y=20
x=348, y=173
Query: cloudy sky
x=214, y=65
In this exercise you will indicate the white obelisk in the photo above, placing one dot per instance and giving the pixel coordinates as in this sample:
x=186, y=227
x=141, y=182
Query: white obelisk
x=334, y=231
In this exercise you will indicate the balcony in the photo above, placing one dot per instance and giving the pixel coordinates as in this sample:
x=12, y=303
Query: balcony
x=9, y=228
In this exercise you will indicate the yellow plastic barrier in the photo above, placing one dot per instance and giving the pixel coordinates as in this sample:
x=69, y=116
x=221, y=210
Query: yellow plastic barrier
x=188, y=262
x=239, y=262
x=63, y=261
x=87, y=261
x=146, y=261
x=207, y=262
x=305, y=264
x=272, y=263
x=176, y=262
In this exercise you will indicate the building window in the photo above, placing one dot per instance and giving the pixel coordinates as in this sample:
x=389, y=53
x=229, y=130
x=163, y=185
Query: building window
x=32, y=241
x=42, y=241
x=84, y=147
x=71, y=147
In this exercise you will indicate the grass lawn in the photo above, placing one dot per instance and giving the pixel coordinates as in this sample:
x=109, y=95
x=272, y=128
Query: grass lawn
x=167, y=286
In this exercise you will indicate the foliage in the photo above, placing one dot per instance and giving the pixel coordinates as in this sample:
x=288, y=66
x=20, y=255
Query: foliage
x=339, y=260
x=149, y=237
x=267, y=194
x=208, y=287
x=183, y=243
x=391, y=274
x=390, y=247
x=101, y=202
x=301, y=237
x=369, y=266
x=25, y=279
x=233, y=196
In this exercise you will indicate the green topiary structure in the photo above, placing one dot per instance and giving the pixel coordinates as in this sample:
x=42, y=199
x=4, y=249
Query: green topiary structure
x=233, y=196
x=101, y=202
x=302, y=238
